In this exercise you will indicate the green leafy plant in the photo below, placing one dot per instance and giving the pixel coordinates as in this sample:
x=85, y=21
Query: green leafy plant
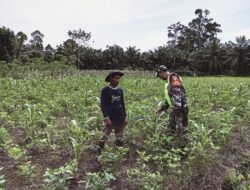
x=2, y=180
x=99, y=180
x=15, y=152
x=58, y=178
x=112, y=158
x=148, y=180
x=27, y=169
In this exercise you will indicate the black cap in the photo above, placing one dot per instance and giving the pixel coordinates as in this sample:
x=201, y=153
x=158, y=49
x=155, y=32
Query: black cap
x=112, y=74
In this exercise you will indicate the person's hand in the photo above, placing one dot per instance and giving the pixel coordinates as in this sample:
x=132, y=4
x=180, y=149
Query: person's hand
x=126, y=121
x=158, y=111
x=107, y=121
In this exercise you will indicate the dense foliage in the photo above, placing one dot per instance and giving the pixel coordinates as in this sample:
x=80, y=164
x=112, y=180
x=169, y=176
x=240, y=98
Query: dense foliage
x=193, y=49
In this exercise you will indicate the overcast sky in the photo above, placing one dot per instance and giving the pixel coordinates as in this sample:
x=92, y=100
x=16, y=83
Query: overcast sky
x=140, y=23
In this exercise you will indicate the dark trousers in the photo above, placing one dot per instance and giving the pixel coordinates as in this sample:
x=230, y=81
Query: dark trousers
x=118, y=134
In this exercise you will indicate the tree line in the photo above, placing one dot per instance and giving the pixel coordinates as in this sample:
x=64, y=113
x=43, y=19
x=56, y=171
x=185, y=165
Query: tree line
x=191, y=49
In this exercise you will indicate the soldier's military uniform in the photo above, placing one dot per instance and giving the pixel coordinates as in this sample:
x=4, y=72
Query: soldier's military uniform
x=176, y=99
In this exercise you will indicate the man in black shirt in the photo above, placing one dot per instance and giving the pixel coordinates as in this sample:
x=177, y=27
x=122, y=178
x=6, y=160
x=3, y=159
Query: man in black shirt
x=113, y=109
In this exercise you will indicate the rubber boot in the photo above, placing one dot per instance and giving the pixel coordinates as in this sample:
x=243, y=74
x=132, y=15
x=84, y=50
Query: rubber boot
x=119, y=143
x=101, y=146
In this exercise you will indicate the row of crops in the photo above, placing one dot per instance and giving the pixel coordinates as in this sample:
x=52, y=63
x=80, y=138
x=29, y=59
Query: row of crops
x=49, y=131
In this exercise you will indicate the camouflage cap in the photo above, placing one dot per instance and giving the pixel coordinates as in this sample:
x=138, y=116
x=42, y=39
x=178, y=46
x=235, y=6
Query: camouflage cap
x=161, y=68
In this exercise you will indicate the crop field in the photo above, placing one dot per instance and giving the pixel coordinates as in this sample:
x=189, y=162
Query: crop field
x=50, y=127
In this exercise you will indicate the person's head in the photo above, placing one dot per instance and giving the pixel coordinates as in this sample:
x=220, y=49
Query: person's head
x=113, y=78
x=162, y=72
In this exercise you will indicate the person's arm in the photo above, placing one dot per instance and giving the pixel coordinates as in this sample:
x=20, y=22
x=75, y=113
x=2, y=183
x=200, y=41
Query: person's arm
x=167, y=102
x=104, y=103
x=124, y=108
x=163, y=108
x=123, y=104
x=104, y=109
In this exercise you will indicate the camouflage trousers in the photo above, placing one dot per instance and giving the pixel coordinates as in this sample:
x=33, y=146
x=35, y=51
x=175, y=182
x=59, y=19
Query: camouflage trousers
x=178, y=115
x=118, y=134
x=178, y=120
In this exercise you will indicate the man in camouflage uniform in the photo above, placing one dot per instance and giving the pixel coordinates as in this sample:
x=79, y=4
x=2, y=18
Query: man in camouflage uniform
x=176, y=99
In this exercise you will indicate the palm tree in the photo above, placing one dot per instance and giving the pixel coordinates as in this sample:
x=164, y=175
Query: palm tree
x=132, y=57
x=113, y=57
x=215, y=57
x=239, y=55
x=209, y=60
x=92, y=58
